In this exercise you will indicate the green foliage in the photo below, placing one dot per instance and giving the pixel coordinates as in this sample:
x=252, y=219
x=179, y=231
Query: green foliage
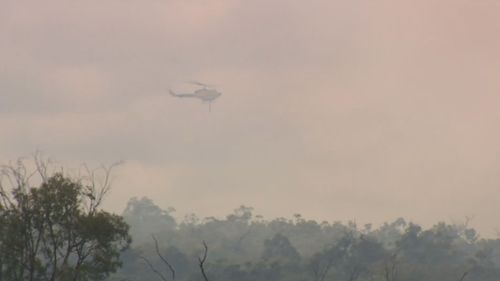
x=56, y=232
x=245, y=247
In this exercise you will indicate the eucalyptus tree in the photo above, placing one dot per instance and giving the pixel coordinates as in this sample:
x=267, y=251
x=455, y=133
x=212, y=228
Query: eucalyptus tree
x=56, y=230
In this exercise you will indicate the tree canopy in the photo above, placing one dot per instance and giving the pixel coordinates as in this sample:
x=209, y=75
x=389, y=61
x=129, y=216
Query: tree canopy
x=56, y=230
x=246, y=247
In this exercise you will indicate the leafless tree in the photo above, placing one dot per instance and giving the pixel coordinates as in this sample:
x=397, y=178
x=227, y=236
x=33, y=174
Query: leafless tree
x=201, y=261
x=156, y=271
x=25, y=173
x=163, y=259
x=463, y=276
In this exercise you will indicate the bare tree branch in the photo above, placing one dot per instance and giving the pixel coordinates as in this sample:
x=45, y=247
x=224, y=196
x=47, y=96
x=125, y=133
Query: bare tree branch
x=170, y=267
x=42, y=165
x=153, y=268
x=97, y=183
x=202, y=261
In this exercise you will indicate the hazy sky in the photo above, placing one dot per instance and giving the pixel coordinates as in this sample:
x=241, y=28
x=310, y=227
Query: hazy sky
x=362, y=109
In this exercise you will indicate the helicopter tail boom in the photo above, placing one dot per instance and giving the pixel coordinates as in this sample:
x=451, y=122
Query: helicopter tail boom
x=180, y=95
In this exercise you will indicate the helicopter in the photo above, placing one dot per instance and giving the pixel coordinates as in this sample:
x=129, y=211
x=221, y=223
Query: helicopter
x=206, y=94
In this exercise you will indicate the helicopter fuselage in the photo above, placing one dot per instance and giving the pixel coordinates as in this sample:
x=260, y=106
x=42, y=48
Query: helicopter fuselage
x=206, y=95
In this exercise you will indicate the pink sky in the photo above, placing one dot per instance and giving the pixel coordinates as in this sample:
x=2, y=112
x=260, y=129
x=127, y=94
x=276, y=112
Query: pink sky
x=365, y=110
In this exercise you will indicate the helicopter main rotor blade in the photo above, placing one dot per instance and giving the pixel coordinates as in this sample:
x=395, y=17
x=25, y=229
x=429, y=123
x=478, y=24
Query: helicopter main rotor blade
x=200, y=84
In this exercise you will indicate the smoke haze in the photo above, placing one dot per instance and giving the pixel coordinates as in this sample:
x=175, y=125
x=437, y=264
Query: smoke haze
x=364, y=110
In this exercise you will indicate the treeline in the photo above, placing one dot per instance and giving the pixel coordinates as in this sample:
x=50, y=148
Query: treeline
x=245, y=247
x=52, y=226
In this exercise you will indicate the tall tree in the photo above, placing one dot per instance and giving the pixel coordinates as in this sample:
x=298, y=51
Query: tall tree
x=57, y=231
x=146, y=218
